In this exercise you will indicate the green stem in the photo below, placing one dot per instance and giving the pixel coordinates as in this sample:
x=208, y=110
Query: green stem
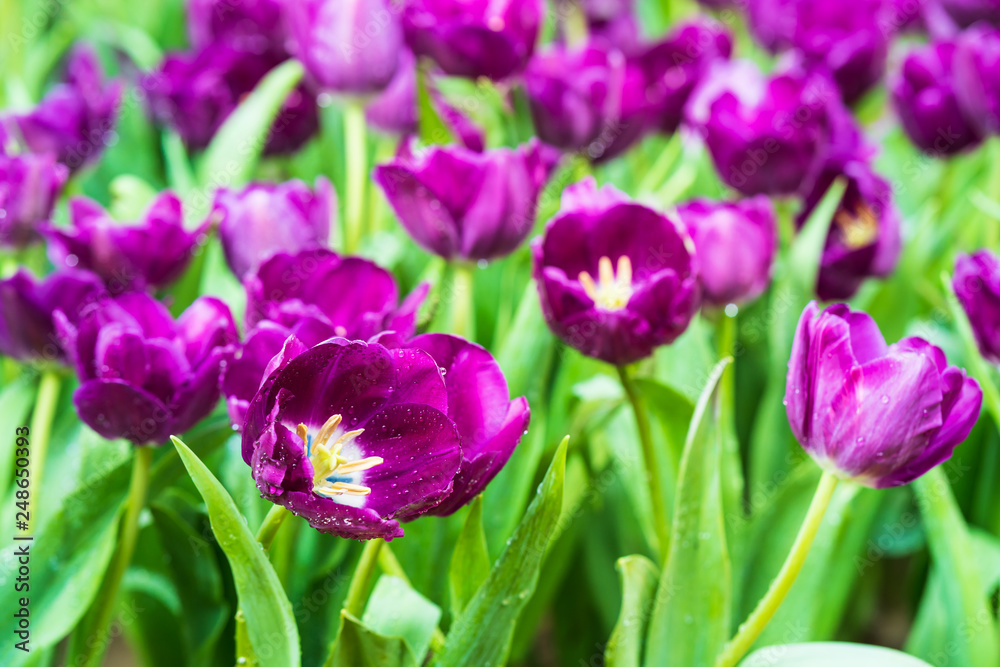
x=270, y=525
x=657, y=174
x=356, y=151
x=357, y=593
x=661, y=523
x=94, y=640
x=456, y=314
x=390, y=565
x=750, y=630
x=40, y=432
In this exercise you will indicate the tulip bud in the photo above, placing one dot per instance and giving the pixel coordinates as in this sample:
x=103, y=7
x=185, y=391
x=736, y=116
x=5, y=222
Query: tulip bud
x=977, y=286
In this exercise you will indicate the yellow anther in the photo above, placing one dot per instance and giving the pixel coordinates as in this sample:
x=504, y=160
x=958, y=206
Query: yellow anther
x=613, y=289
x=327, y=461
x=858, y=230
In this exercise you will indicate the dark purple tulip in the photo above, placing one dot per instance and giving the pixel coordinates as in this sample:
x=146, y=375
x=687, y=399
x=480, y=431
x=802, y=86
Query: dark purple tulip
x=976, y=72
x=76, y=119
x=304, y=295
x=353, y=436
x=195, y=92
x=351, y=47
x=489, y=423
x=966, y=12
x=735, y=243
x=925, y=96
x=251, y=26
x=575, y=94
x=765, y=135
x=473, y=38
x=149, y=254
x=30, y=184
x=848, y=39
x=977, y=286
x=264, y=219
x=460, y=204
x=612, y=22
x=616, y=279
x=145, y=377
x=27, y=331
x=881, y=415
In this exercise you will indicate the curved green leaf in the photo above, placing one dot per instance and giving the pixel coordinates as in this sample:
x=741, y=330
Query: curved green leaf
x=639, y=576
x=396, y=610
x=359, y=646
x=470, y=562
x=269, y=621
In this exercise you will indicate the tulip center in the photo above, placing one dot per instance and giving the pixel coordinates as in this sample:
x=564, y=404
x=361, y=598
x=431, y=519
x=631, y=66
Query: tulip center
x=334, y=469
x=858, y=230
x=612, y=290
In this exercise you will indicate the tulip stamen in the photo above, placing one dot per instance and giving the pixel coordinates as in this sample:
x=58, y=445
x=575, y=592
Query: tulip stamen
x=858, y=230
x=330, y=465
x=612, y=289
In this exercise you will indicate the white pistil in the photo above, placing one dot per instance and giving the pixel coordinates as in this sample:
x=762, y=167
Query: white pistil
x=612, y=290
x=327, y=459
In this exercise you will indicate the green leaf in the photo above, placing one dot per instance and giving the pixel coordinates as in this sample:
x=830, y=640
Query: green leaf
x=470, y=562
x=639, y=576
x=432, y=129
x=830, y=653
x=690, y=621
x=232, y=156
x=673, y=411
x=269, y=621
x=16, y=399
x=68, y=558
x=482, y=634
x=360, y=646
x=396, y=610
x=953, y=553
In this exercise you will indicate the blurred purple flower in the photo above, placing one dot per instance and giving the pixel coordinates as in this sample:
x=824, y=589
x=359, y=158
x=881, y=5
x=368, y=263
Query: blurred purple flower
x=250, y=26
x=264, y=219
x=145, y=377
x=735, y=244
x=30, y=184
x=976, y=72
x=457, y=203
x=616, y=279
x=906, y=408
x=152, y=253
x=967, y=12
x=977, y=286
x=473, y=38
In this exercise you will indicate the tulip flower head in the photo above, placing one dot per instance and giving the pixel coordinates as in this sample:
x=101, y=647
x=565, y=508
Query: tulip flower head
x=30, y=184
x=881, y=415
x=977, y=286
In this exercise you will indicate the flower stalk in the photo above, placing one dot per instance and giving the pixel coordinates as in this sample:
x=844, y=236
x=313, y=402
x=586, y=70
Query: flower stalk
x=356, y=151
x=40, y=432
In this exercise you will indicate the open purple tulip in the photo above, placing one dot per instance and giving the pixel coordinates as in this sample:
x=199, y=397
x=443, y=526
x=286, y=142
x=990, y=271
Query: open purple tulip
x=850, y=40
x=460, y=204
x=765, y=135
x=735, y=243
x=352, y=47
x=977, y=286
x=194, y=93
x=474, y=38
x=30, y=184
x=150, y=254
x=27, y=330
x=881, y=415
x=303, y=294
x=144, y=376
x=76, y=119
x=926, y=99
x=616, y=279
x=352, y=436
x=264, y=219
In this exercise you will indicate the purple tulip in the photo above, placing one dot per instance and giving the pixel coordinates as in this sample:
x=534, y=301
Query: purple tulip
x=194, y=93
x=303, y=294
x=612, y=22
x=473, y=38
x=149, y=254
x=765, y=135
x=353, y=436
x=848, y=39
x=926, y=100
x=616, y=279
x=966, y=12
x=976, y=71
x=460, y=204
x=347, y=46
x=489, y=423
x=250, y=26
x=27, y=331
x=145, y=377
x=977, y=286
x=264, y=219
x=575, y=95
x=881, y=415
x=735, y=243
x=76, y=119
x=30, y=184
